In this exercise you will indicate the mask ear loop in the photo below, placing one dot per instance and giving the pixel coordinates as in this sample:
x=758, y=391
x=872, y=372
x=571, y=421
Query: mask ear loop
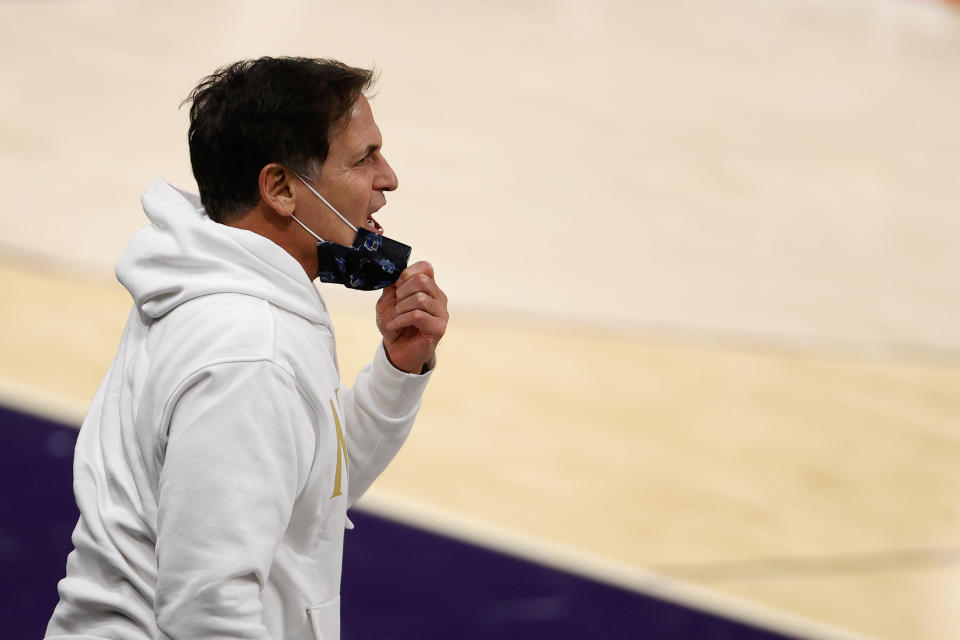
x=305, y=228
x=324, y=200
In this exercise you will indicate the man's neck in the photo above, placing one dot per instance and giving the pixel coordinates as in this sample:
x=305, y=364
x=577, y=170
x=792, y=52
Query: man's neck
x=282, y=231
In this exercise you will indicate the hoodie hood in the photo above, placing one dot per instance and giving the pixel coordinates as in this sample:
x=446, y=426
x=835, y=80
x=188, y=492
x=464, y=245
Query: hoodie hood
x=184, y=254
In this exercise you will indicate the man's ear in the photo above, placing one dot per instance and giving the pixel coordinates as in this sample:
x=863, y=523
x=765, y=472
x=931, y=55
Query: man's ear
x=277, y=189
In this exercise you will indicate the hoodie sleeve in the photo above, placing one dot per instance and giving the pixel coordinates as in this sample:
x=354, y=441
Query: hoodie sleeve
x=237, y=456
x=380, y=409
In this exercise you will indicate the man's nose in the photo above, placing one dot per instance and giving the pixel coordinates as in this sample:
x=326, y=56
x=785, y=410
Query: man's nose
x=386, y=179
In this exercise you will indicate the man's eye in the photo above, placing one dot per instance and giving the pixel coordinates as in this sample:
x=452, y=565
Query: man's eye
x=362, y=160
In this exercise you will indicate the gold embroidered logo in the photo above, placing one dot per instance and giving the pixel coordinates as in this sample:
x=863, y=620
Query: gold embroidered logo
x=342, y=459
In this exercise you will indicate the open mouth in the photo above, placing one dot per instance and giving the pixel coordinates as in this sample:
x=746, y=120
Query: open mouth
x=374, y=226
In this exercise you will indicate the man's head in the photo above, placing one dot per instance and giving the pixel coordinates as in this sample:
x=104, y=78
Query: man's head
x=271, y=110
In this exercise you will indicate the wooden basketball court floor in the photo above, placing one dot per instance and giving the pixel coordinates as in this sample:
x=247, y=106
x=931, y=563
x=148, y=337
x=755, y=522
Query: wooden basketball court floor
x=701, y=260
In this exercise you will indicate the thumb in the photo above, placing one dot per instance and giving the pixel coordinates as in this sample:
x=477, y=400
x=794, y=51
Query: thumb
x=387, y=303
x=388, y=295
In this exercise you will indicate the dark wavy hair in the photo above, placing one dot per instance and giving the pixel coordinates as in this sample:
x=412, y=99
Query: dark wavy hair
x=254, y=112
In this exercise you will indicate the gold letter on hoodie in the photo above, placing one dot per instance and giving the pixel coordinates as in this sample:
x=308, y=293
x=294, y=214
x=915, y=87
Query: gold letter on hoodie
x=341, y=452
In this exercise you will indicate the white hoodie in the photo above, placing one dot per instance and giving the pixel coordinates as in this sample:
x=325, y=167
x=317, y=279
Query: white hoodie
x=210, y=477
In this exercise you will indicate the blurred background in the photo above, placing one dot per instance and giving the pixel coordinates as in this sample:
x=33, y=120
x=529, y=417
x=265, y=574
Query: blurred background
x=701, y=260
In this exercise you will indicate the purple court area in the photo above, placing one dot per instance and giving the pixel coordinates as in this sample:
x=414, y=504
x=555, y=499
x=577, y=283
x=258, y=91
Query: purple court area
x=399, y=582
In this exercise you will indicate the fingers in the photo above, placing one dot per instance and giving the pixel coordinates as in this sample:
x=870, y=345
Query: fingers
x=418, y=278
x=421, y=267
x=420, y=310
x=428, y=325
x=420, y=302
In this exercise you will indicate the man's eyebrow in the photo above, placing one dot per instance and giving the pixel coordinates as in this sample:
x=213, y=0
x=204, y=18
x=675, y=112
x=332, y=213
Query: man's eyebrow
x=371, y=148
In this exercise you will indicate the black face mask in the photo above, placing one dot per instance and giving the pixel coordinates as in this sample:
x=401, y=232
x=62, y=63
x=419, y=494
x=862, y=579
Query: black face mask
x=372, y=262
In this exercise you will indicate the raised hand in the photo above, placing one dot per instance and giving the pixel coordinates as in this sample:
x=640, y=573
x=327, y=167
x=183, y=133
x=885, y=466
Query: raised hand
x=412, y=316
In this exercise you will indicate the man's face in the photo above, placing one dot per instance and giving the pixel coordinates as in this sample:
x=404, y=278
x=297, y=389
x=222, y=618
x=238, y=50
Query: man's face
x=352, y=178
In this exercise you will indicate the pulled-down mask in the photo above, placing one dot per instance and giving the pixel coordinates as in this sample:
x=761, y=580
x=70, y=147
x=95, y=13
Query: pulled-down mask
x=372, y=262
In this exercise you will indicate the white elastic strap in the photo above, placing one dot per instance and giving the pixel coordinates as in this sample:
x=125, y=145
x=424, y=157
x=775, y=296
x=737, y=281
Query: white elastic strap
x=324, y=200
x=305, y=228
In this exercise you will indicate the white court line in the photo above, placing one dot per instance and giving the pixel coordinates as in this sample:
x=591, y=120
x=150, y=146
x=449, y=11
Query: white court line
x=589, y=565
x=27, y=399
x=546, y=552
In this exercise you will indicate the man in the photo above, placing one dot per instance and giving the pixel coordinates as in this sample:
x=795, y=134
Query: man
x=216, y=463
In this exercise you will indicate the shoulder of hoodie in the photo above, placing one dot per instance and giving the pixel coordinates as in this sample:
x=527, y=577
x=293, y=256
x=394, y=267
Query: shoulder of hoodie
x=225, y=327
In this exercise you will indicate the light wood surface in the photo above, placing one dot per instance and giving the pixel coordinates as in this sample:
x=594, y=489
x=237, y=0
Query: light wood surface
x=783, y=168
x=701, y=258
x=812, y=483
x=919, y=603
